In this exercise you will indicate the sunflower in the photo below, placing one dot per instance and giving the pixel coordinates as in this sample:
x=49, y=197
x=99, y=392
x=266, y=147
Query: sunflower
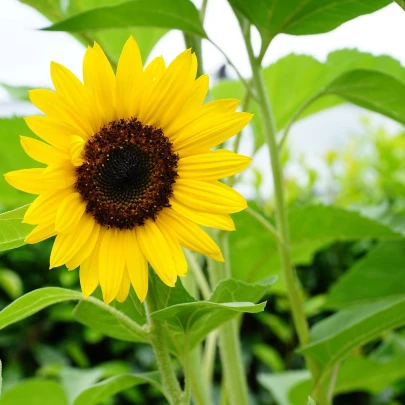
x=130, y=173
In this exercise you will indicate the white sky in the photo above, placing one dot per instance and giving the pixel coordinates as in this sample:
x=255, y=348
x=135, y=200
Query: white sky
x=25, y=54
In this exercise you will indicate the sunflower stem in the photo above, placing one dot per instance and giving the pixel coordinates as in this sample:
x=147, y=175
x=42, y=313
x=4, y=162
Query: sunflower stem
x=158, y=341
x=229, y=345
x=288, y=271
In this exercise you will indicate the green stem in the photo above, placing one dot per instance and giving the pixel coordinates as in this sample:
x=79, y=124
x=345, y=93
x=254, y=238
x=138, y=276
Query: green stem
x=158, y=341
x=209, y=355
x=199, y=276
x=269, y=129
x=199, y=384
x=229, y=345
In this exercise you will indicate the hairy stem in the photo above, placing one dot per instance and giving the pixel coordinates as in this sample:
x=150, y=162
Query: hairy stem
x=229, y=345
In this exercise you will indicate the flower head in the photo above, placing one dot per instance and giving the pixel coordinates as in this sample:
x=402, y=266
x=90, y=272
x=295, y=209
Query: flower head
x=130, y=172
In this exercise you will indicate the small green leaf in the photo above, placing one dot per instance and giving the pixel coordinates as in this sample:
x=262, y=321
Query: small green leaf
x=179, y=14
x=75, y=381
x=108, y=320
x=311, y=401
x=334, y=338
x=35, y=391
x=17, y=92
x=105, y=389
x=232, y=290
x=376, y=91
x=377, y=276
x=12, y=231
x=295, y=17
x=11, y=283
x=33, y=302
x=289, y=387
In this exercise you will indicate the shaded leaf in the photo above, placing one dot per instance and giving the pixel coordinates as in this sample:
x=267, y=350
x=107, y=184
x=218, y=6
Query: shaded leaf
x=35, y=391
x=11, y=283
x=12, y=231
x=377, y=276
x=108, y=320
x=107, y=388
x=33, y=302
x=181, y=15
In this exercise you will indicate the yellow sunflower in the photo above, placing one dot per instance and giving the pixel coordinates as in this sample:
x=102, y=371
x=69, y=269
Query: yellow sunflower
x=130, y=175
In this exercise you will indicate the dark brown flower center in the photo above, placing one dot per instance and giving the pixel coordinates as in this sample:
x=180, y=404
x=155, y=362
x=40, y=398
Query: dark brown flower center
x=128, y=174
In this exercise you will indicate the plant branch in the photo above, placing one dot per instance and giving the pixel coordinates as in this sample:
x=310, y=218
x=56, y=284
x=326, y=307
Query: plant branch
x=202, y=282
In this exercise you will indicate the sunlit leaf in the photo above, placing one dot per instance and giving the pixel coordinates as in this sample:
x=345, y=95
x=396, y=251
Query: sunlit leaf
x=179, y=14
x=12, y=230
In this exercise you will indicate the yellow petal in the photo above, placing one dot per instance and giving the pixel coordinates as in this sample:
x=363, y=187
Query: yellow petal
x=77, y=145
x=40, y=151
x=137, y=265
x=28, y=180
x=74, y=93
x=61, y=174
x=220, y=221
x=157, y=251
x=51, y=130
x=44, y=207
x=170, y=92
x=124, y=288
x=53, y=105
x=67, y=245
x=129, y=78
x=111, y=263
x=189, y=234
x=40, y=233
x=85, y=250
x=177, y=252
x=69, y=213
x=191, y=107
x=206, y=196
x=99, y=79
x=89, y=269
x=212, y=166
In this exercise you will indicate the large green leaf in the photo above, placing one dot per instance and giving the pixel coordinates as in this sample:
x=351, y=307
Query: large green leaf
x=294, y=79
x=13, y=157
x=33, y=302
x=35, y=391
x=311, y=228
x=108, y=320
x=12, y=230
x=297, y=17
x=97, y=393
x=376, y=91
x=179, y=14
x=334, y=338
x=111, y=40
x=377, y=276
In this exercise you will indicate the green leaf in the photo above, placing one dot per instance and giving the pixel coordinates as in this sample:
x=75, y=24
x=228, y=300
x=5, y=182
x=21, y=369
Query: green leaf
x=283, y=386
x=311, y=228
x=190, y=322
x=181, y=15
x=16, y=92
x=295, y=17
x=108, y=320
x=33, y=302
x=75, y=381
x=311, y=401
x=111, y=41
x=232, y=290
x=34, y=391
x=334, y=338
x=11, y=283
x=373, y=90
x=107, y=388
x=294, y=79
x=377, y=276
x=12, y=230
